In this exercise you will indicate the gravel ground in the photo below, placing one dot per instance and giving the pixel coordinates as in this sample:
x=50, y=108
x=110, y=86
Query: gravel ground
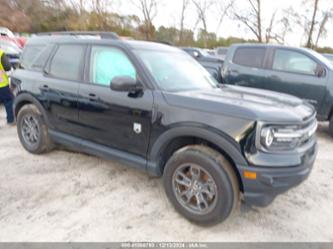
x=65, y=196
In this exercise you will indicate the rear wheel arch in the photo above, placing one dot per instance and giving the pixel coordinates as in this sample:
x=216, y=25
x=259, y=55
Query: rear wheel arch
x=26, y=99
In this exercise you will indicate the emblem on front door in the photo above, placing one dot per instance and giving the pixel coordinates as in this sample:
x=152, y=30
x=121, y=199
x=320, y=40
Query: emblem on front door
x=137, y=128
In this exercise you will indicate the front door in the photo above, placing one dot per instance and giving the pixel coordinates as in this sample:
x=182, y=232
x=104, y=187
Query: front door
x=296, y=73
x=119, y=120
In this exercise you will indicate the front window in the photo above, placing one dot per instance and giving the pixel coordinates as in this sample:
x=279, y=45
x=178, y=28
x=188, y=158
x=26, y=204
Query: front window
x=176, y=71
x=108, y=63
x=294, y=62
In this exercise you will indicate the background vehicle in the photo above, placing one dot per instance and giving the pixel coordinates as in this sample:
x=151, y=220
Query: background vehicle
x=155, y=108
x=210, y=51
x=297, y=71
x=9, y=35
x=12, y=51
x=221, y=52
x=329, y=56
x=211, y=63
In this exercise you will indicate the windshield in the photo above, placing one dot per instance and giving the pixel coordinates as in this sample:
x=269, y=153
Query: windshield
x=320, y=57
x=176, y=71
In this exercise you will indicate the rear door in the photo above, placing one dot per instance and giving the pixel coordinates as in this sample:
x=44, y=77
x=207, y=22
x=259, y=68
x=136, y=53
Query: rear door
x=246, y=67
x=120, y=120
x=296, y=73
x=59, y=84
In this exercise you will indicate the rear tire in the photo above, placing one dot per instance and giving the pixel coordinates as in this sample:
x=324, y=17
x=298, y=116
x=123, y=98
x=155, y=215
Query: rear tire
x=32, y=130
x=201, y=184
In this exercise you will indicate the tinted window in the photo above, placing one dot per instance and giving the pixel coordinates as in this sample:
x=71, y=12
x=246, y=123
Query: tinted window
x=250, y=57
x=29, y=54
x=294, y=62
x=66, y=63
x=107, y=63
x=41, y=59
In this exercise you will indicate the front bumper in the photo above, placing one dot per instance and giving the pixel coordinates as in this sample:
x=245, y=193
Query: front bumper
x=272, y=181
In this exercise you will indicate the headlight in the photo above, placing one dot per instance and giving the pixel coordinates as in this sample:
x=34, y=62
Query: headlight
x=277, y=137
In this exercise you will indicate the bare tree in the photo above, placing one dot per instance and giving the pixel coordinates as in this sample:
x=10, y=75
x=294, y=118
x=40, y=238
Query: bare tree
x=223, y=8
x=202, y=7
x=327, y=15
x=148, y=9
x=288, y=20
x=269, y=31
x=309, y=42
x=185, y=4
x=252, y=19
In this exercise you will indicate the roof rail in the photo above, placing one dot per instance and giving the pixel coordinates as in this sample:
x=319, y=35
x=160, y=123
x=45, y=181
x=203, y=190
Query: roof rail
x=102, y=35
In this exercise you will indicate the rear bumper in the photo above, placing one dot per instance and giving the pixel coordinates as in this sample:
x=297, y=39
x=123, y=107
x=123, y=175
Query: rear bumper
x=272, y=181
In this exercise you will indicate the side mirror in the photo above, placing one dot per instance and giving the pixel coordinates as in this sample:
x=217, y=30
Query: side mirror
x=320, y=71
x=125, y=84
x=196, y=54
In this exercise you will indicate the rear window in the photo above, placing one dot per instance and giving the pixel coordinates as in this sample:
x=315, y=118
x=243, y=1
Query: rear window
x=249, y=57
x=40, y=61
x=67, y=61
x=29, y=54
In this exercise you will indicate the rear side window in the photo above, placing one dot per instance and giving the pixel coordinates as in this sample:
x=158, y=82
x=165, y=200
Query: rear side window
x=294, y=62
x=107, y=63
x=67, y=61
x=30, y=53
x=41, y=59
x=249, y=57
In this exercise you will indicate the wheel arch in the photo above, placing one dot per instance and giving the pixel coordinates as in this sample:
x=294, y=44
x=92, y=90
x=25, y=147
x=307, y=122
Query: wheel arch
x=26, y=99
x=176, y=138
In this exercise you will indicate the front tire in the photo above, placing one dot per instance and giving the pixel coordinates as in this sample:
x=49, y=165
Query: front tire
x=32, y=130
x=201, y=184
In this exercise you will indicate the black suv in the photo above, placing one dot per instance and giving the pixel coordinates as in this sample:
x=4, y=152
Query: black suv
x=297, y=71
x=154, y=107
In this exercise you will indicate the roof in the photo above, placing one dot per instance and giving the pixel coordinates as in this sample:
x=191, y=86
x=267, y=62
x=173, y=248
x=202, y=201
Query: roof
x=87, y=39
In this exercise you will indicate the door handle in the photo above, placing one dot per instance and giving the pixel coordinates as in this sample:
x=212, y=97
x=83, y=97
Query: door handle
x=45, y=87
x=233, y=72
x=275, y=77
x=92, y=97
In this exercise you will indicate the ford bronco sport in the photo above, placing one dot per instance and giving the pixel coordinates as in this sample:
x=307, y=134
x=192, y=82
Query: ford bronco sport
x=155, y=108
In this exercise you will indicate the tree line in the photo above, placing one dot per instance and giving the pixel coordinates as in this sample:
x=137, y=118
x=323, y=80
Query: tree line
x=34, y=16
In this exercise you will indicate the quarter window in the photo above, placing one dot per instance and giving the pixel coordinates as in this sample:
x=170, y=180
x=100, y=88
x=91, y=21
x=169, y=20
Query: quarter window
x=293, y=62
x=29, y=54
x=249, y=57
x=108, y=63
x=66, y=63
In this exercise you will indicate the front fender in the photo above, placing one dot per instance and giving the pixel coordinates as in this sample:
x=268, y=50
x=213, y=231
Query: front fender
x=221, y=140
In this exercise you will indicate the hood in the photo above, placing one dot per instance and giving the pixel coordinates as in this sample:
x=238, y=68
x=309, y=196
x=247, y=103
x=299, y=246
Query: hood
x=246, y=103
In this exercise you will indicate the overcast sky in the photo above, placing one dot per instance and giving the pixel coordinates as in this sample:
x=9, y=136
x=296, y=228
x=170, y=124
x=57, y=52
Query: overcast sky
x=169, y=15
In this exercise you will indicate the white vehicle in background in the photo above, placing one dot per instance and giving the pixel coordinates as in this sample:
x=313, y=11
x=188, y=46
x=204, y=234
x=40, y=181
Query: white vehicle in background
x=6, y=32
